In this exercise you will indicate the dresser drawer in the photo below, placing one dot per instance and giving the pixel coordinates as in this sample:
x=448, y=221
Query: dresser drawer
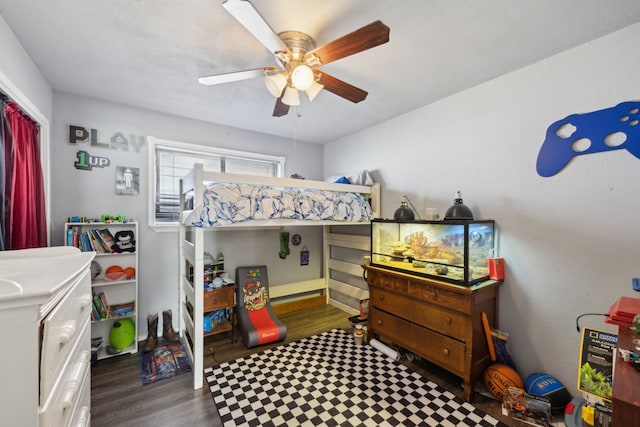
x=81, y=414
x=447, y=296
x=71, y=388
x=396, y=283
x=61, y=331
x=219, y=298
x=437, y=348
x=48, y=379
x=435, y=317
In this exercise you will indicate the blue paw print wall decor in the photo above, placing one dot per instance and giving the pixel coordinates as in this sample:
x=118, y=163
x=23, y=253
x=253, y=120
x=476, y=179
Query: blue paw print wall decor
x=613, y=128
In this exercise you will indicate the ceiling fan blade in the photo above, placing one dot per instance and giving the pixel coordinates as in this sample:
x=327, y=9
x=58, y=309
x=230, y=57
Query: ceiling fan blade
x=341, y=88
x=217, y=79
x=244, y=12
x=369, y=36
x=281, y=109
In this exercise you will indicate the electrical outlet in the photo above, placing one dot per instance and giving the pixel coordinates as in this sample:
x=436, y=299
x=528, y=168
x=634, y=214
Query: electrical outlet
x=635, y=282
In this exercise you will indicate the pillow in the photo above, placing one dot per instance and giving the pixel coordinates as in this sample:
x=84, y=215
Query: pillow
x=358, y=178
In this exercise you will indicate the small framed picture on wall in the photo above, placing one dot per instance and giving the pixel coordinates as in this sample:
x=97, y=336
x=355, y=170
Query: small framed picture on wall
x=127, y=181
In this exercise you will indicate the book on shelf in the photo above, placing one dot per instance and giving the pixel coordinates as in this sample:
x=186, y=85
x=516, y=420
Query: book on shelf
x=96, y=343
x=96, y=240
x=92, y=241
x=121, y=310
x=107, y=239
x=100, y=307
x=95, y=314
x=103, y=298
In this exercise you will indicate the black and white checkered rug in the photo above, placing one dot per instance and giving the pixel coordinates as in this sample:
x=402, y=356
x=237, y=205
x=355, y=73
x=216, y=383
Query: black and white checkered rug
x=327, y=380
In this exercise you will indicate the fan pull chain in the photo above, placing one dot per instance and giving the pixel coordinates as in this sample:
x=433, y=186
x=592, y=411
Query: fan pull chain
x=295, y=127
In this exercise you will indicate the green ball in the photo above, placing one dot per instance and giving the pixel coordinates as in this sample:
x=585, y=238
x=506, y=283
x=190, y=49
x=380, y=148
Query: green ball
x=123, y=333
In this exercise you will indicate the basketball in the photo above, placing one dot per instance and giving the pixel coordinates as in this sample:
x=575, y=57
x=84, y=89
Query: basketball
x=549, y=387
x=499, y=377
x=115, y=272
x=129, y=273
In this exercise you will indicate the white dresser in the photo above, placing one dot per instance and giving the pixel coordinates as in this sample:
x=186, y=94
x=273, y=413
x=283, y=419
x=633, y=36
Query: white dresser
x=45, y=307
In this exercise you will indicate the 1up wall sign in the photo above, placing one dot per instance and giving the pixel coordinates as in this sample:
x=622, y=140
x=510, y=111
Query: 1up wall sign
x=118, y=141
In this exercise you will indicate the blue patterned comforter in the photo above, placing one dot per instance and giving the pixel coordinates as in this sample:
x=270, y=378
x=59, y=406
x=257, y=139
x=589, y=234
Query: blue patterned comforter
x=226, y=204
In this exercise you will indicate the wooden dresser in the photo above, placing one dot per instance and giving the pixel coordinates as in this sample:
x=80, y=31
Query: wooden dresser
x=438, y=321
x=626, y=386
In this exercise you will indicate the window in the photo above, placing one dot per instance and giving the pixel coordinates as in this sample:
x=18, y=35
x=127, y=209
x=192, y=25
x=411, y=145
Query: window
x=169, y=161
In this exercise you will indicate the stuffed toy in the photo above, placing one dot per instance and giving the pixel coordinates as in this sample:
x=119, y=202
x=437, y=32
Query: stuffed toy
x=124, y=241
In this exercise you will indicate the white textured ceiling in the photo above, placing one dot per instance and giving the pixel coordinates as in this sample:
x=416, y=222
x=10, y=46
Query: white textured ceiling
x=149, y=53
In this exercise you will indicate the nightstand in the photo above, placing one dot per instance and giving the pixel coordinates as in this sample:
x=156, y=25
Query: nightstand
x=219, y=299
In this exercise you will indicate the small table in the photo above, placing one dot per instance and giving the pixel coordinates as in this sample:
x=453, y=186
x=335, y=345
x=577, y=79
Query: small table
x=221, y=298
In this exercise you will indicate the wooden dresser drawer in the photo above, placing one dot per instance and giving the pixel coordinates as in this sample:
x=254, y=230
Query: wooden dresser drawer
x=438, y=318
x=437, y=348
x=396, y=283
x=219, y=298
x=445, y=296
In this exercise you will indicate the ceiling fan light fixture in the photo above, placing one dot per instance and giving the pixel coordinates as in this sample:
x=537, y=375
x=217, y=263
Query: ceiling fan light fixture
x=314, y=90
x=302, y=77
x=291, y=96
x=275, y=84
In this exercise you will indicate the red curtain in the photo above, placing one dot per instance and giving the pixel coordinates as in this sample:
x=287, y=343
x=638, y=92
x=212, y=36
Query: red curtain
x=27, y=227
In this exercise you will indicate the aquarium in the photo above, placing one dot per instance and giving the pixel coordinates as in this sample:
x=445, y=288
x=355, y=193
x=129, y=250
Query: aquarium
x=455, y=251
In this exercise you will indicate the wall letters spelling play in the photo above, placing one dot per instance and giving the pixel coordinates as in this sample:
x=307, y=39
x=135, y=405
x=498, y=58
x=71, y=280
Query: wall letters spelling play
x=118, y=141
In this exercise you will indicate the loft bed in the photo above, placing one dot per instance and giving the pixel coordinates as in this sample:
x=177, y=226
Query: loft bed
x=215, y=201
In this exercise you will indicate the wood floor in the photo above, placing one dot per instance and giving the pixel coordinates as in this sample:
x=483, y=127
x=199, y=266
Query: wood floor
x=119, y=399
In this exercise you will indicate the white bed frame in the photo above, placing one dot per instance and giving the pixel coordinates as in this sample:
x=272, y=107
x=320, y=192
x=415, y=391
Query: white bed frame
x=192, y=250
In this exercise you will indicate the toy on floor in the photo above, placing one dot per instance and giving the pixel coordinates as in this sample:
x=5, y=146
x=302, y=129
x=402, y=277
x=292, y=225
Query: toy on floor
x=257, y=323
x=499, y=377
x=549, y=387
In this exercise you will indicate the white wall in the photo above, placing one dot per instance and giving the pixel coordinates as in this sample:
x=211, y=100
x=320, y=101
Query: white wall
x=92, y=193
x=570, y=241
x=17, y=68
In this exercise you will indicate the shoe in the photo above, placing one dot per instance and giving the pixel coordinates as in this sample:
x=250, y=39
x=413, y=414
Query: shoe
x=167, y=328
x=152, y=337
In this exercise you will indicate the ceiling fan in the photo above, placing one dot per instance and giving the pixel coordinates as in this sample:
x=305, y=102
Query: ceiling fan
x=297, y=59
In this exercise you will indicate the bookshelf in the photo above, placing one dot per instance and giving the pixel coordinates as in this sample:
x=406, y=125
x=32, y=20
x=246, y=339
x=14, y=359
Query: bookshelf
x=114, y=281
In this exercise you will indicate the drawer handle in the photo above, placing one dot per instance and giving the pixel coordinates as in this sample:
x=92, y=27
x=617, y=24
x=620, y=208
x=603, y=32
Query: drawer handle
x=76, y=375
x=381, y=297
x=445, y=351
x=379, y=322
x=85, y=301
x=69, y=393
x=447, y=320
x=215, y=301
x=68, y=331
x=83, y=418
